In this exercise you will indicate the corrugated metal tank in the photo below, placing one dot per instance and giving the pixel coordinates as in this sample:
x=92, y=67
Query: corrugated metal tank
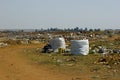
x=57, y=43
x=80, y=47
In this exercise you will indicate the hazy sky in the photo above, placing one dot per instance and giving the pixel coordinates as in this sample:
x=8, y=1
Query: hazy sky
x=35, y=14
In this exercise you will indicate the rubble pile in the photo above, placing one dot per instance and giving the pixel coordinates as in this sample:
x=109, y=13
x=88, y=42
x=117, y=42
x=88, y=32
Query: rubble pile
x=109, y=59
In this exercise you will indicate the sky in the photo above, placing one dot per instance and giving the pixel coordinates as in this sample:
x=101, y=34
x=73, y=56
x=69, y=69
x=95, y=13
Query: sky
x=37, y=14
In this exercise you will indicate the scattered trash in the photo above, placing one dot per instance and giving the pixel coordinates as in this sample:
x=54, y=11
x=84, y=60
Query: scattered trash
x=47, y=49
x=59, y=61
x=109, y=59
x=70, y=64
x=73, y=59
x=3, y=44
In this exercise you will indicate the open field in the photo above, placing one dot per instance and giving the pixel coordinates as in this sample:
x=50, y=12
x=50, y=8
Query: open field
x=15, y=66
x=80, y=67
x=25, y=62
x=21, y=57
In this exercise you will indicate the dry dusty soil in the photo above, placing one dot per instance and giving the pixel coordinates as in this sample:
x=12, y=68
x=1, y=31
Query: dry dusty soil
x=15, y=66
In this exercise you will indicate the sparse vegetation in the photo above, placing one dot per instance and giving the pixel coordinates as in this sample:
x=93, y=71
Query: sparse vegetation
x=95, y=66
x=91, y=65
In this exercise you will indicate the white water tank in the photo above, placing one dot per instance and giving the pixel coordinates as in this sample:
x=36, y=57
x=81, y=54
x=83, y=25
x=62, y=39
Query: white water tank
x=80, y=47
x=57, y=43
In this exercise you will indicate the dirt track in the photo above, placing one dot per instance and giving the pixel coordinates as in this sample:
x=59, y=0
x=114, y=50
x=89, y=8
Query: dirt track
x=14, y=66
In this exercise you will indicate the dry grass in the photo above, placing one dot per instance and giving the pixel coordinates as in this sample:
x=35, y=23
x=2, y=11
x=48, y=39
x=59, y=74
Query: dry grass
x=76, y=65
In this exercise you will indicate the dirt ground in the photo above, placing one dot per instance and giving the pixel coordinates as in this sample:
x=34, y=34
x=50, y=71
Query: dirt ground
x=15, y=66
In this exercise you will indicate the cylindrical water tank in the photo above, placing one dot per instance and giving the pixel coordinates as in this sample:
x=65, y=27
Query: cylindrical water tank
x=57, y=43
x=80, y=47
